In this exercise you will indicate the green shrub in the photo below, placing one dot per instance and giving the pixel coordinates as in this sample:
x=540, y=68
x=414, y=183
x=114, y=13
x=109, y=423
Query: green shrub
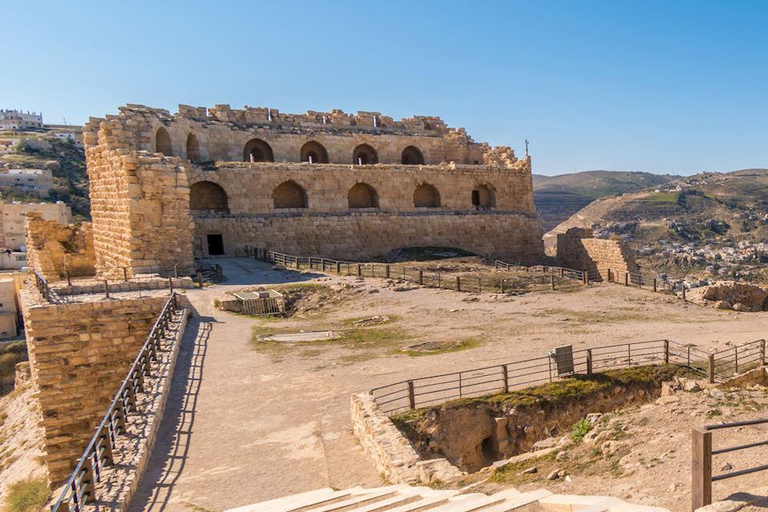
x=27, y=496
x=579, y=430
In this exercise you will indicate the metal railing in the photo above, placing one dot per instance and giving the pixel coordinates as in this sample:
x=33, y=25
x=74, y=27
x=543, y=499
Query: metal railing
x=501, y=378
x=702, y=453
x=48, y=294
x=536, y=278
x=81, y=487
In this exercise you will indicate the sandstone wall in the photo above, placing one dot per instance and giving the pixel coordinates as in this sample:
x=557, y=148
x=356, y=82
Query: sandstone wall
x=139, y=205
x=79, y=354
x=510, y=236
x=578, y=250
x=222, y=133
x=54, y=248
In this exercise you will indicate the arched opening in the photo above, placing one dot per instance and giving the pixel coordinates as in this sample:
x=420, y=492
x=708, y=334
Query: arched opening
x=483, y=196
x=256, y=150
x=365, y=155
x=206, y=196
x=314, y=152
x=289, y=194
x=163, y=142
x=426, y=196
x=193, y=148
x=412, y=156
x=363, y=195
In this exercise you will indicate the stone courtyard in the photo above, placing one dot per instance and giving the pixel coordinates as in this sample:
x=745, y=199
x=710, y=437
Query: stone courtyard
x=248, y=423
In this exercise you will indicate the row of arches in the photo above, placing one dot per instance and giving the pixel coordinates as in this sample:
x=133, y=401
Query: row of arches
x=209, y=196
x=258, y=150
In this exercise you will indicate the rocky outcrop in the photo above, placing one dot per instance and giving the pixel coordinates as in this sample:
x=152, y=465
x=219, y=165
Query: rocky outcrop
x=731, y=295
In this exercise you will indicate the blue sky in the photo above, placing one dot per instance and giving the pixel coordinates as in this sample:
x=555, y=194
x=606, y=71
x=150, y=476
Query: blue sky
x=659, y=86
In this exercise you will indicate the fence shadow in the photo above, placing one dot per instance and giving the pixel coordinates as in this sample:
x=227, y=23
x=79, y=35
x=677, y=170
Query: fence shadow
x=171, y=450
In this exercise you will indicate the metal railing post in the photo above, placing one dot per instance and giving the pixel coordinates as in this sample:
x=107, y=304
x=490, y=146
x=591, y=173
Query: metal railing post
x=106, y=288
x=589, y=361
x=505, y=377
x=626, y=278
x=387, y=271
x=199, y=279
x=666, y=351
x=69, y=278
x=552, y=280
x=654, y=284
x=125, y=274
x=701, y=468
x=762, y=352
x=503, y=282
x=711, y=369
x=479, y=284
x=610, y=276
x=421, y=277
x=684, y=293
x=411, y=395
x=458, y=283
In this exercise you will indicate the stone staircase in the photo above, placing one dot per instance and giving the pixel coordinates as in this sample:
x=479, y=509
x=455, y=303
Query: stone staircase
x=404, y=498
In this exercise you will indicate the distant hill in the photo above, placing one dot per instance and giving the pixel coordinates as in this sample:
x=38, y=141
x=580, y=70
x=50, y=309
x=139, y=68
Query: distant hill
x=559, y=197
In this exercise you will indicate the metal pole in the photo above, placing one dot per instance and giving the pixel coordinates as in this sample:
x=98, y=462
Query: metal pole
x=199, y=279
x=589, y=361
x=505, y=376
x=411, y=395
x=626, y=278
x=69, y=280
x=762, y=352
x=654, y=284
x=421, y=277
x=701, y=468
x=106, y=288
x=503, y=282
x=666, y=351
x=387, y=270
x=125, y=274
x=552, y=280
x=711, y=373
x=170, y=284
x=458, y=283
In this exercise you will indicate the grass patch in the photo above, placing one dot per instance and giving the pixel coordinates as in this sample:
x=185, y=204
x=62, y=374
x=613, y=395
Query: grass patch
x=27, y=496
x=579, y=430
x=443, y=348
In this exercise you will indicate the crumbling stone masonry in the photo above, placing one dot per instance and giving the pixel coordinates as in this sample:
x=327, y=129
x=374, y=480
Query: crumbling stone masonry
x=166, y=189
x=79, y=355
x=577, y=249
x=54, y=248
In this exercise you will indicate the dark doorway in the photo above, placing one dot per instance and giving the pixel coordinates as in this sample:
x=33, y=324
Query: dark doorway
x=476, y=197
x=215, y=245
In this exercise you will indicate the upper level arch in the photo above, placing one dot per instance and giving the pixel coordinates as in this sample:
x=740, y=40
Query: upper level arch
x=193, y=148
x=257, y=150
x=412, y=156
x=426, y=196
x=163, y=142
x=362, y=195
x=289, y=194
x=364, y=154
x=483, y=196
x=314, y=152
x=207, y=196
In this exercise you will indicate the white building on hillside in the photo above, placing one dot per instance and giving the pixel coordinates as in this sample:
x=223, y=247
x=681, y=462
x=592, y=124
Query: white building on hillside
x=13, y=217
x=18, y=120
x=33, y=181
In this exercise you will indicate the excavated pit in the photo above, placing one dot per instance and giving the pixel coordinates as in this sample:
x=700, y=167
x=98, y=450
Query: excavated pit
x=475, y=433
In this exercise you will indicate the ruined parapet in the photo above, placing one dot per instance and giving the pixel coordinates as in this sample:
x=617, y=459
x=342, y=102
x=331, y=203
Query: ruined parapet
x=54, y=249
x=578, y=249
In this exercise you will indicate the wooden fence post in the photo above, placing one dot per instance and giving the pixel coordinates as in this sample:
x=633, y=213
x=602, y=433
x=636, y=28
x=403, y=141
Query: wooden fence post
x=666, y=351
x=411, y=395
x=505, y=377
x=589, y=361
x=458, y=283
x=711, y=372
x=701, y=468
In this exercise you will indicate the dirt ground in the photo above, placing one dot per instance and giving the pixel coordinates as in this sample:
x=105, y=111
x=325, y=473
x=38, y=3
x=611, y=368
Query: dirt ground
x=249, y=420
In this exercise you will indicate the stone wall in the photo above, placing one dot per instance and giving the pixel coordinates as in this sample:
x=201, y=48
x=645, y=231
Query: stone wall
x=390, y=451
x=54, y=248
x=509, y=236
x=79, y=355
x=577, y=249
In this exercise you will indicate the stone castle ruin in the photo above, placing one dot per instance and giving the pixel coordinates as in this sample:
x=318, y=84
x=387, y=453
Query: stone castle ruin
x=166, y=189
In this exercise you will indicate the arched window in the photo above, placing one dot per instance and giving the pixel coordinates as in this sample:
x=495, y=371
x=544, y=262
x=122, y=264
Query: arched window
x=314, y=152
x=412, y=156
x=426, y=196
x=163, y=142
x=289, y=194
x=256, y=150
x=365, y=155
x=483, y=196
x=363, y=195
x=193, y=148
x=206, y=196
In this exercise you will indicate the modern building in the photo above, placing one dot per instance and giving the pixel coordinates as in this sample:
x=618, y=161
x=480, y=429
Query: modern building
x=18, y=120
x=33, y=181
x=9, y=313
x=13, y=217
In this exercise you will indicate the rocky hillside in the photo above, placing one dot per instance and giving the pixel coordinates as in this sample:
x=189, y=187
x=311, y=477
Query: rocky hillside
x=559, y=197
x=710, y=224
x=64, y=159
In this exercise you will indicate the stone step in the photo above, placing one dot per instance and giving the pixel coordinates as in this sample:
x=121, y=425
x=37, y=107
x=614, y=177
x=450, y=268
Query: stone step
x=476, y=501
x=296, y=501
x=357, y=500
x=518, y=501
x=577, y=503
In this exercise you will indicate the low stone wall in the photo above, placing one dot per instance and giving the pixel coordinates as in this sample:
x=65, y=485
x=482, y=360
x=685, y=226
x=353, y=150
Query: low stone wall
x=390, y=451
x=184, y=283
x=510, y=236
x=577, y=249
x=79, y=355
